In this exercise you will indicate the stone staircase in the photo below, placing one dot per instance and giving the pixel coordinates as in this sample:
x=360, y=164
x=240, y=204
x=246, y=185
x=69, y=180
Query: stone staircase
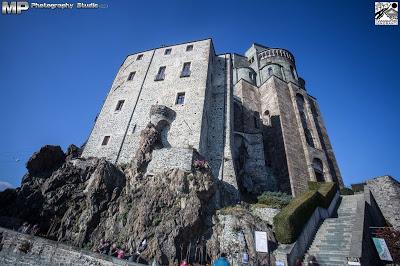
x=332, y=242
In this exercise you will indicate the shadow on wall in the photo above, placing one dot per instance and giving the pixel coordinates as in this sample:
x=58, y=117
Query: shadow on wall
x=248, y=123
x=274, y=152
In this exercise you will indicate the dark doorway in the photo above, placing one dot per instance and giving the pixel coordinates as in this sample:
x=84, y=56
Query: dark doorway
x=318, y=170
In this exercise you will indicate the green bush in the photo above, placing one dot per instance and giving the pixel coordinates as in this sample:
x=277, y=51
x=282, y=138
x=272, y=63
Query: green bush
x=289, y=223
x=274, y=199
x=328, y=191
x=346, y=191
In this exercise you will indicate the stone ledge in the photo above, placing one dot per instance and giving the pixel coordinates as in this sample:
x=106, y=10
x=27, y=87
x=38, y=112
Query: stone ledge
x=48, y=252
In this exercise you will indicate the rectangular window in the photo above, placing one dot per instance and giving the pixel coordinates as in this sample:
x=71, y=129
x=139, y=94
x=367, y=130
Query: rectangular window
x=161, y=73
x=119, y=105
x=180, y=98
x=131, y=75
x=185, y=70
x=270, y=71
x=105, y=140
x=139, y=57
x=167, y=51
x=189, y=48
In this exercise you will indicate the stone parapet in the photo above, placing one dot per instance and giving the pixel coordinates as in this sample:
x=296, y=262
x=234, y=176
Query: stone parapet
x=22, y=249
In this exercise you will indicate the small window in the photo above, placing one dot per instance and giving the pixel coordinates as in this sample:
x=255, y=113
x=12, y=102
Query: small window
x=139, y=57
x=252, y=76
x=119, y=105
x=105, y=140
x=185, y=70
x=161, y=73
x=251, y=60
x=131, y=75
x=189, y=48
x=167, y=51
x=270, y=71
x=180, y=98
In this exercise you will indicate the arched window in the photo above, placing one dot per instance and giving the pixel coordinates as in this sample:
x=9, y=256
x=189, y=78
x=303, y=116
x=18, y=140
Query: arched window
x=252, y=76
x=267, y=117
x=318, y=170
x=270, y=71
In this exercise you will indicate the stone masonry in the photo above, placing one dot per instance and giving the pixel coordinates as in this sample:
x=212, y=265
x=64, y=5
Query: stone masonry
x=249, y=115
x=386, y=191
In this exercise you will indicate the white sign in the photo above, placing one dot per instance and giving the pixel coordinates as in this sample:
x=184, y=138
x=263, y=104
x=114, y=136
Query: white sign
x=261, y=241
x=382, y=249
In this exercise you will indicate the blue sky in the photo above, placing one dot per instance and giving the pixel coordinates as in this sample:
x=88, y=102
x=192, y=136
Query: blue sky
x=56, y=67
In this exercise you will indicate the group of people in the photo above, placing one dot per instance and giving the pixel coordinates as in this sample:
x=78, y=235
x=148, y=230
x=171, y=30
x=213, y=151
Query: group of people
x=221, y=261
x=311, y=261
x=105, y=247
x=27, y=228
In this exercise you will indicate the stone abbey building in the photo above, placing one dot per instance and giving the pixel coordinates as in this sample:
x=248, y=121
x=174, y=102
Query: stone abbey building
x=249, y=115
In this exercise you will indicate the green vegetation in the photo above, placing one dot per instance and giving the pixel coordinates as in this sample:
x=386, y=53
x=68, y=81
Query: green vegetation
x=327, y=190
x=289, y=223
x=233, y=210
x=346, y=191
x=274, y=199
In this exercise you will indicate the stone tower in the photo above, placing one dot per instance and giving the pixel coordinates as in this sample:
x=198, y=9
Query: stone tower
x=272, y=105
x=249, y=116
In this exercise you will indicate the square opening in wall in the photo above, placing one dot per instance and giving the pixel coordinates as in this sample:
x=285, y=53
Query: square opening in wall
x=131, y=75
x=105, y=140
x=161, y=74
x=180, y=98
x=119, y=105
x=189, y=48
x=185, y=70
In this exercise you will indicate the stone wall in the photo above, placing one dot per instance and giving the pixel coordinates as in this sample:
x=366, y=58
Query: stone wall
x=45, y=252
x=386, y=191
x=143, y=91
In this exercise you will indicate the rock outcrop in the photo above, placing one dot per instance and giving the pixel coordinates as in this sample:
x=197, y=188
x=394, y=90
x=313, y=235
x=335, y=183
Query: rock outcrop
x=81, y=201
x=44, y=161
x=233, y=233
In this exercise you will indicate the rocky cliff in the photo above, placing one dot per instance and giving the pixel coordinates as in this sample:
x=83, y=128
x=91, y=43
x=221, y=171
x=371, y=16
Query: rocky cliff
x=80, y=201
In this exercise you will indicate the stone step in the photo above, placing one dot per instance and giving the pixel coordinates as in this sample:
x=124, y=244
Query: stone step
x=338, y=242
x=331, y=244
x=332, y=256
